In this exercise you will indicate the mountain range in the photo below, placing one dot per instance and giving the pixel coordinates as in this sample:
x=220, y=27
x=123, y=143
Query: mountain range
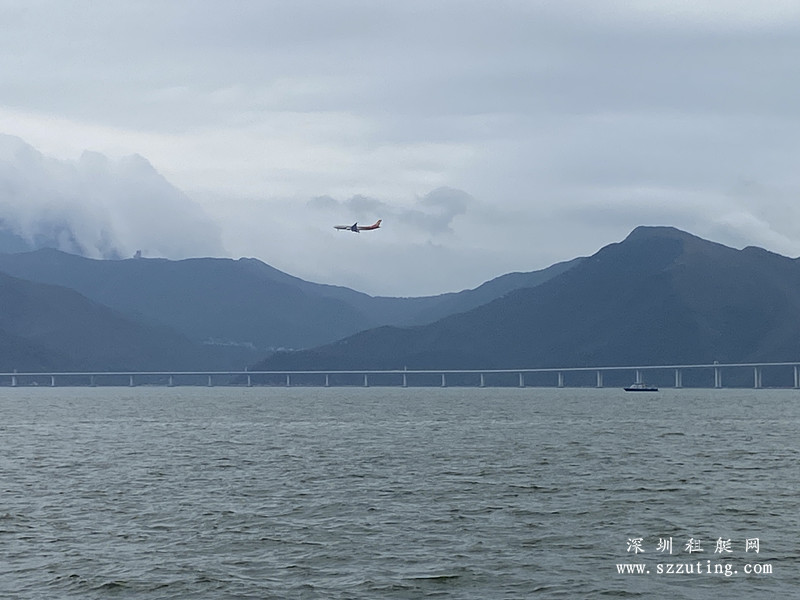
x=660, y=296
x=220, y=313
x=51, y=328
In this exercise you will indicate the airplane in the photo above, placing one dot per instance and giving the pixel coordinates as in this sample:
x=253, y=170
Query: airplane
x=356, y=228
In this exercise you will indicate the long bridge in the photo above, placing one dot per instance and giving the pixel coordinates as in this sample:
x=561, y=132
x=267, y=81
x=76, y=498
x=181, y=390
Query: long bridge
x=714, y=375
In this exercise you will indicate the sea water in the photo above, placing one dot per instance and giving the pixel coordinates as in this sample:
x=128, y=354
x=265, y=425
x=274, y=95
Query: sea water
x=365, y=493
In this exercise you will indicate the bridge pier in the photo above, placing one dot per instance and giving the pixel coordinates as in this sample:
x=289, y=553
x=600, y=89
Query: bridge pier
x=130, y=381
x=560, y=379
x=717, y=377
x=599, y=379
x=796, y=377
x=209, y=382
x=366, y=380
x=483, y=382
x=327, y=380
x=444, y=381
x=52, y=381
x=678, y=378
x=405, y=380
x=521, y=380
x=171, y=382
x=756, y=377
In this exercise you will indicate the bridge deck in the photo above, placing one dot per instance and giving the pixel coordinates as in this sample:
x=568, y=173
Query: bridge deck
x=779, y=374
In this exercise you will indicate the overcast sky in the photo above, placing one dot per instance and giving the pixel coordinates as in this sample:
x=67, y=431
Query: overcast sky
x=490, y=136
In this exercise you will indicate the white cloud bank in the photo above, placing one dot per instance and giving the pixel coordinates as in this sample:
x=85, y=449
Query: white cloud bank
x=98, y=207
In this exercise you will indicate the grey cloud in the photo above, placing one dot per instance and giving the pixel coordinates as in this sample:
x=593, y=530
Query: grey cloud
x=413, y=60
x=436, y=210
x=431, y=214
x=323, y=203
x=98, y=207
x=360, y=204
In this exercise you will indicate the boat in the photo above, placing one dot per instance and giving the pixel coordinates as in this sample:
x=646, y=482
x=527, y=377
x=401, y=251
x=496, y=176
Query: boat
x=640, y=387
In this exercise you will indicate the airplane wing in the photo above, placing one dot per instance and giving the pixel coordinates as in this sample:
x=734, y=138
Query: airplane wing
x=353, y=227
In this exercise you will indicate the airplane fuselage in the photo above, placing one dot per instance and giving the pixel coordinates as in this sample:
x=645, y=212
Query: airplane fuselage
x=356, y=228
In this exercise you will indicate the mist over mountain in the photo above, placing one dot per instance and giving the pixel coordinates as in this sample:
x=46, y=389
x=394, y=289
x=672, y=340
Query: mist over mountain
x=661, y=296
x=96, y=207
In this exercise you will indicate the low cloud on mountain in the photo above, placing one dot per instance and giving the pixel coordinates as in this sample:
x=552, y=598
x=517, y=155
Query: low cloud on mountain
x=98, y=207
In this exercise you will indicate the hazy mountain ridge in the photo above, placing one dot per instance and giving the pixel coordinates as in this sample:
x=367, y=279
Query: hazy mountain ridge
x=204, y=299
x=660, y=296
x=45, y=328
x=229, y=312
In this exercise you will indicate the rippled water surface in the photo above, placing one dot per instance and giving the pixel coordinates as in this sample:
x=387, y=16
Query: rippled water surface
x=371, y=493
